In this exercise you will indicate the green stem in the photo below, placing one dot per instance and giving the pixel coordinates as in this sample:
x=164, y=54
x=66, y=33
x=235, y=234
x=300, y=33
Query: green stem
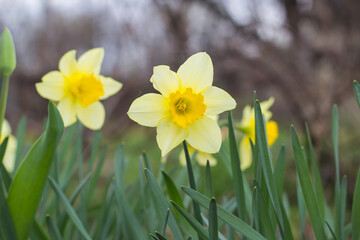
x=3, y=99
x=192, y=182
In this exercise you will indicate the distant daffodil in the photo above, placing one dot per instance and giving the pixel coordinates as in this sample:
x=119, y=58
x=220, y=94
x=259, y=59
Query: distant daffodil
x=247, y=127
x=78, y=88
x=9, y=157
x=186, y=107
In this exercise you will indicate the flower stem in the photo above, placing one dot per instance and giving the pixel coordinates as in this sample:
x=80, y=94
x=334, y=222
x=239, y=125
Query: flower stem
x=192, y=181
x=3, y=99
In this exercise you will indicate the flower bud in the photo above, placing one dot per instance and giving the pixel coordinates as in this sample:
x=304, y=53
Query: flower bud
x=7, y=54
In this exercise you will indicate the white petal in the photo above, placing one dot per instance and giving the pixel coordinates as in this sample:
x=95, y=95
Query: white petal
x=203, y=157
x=245, y=153
x=197, y=72
x=265, y=106
x=67, y=63
x=52, y=86
x=217, y=100
x=90, y=61
x=67, y=110
x=164, y=80
x=149, y=109
x=110, y=85
x=205, y=135
x=93, y=116
x=169, y=135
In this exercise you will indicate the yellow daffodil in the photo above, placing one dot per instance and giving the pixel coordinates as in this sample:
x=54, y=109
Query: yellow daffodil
x=186, y=107
x=10, y=151
x=247, y=126
x=78, y=87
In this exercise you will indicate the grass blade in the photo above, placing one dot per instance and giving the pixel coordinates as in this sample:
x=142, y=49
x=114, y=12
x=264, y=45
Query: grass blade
x=355, y=212
x=357, y=91
x=68, y=208
x=238, y=224
x=279, y=171
x=194, y=223
x=236, y=170
x=213, y=220
x=208, y=183
x=53, y=229
x=307, y=188
x=27, y=186
x=20, y=133
x=162, y=203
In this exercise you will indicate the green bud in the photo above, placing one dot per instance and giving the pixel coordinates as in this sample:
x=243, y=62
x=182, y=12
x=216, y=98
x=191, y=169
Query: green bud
x=7, y=54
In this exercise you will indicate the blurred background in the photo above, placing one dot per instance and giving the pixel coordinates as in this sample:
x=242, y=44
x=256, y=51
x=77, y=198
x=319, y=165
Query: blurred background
x=304, y=53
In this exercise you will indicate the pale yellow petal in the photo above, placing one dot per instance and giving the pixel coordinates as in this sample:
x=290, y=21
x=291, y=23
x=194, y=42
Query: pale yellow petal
x=67, y=63
x=52, y=86
x=169, y=135
x=93, y=116
x=205, y=135
x=265, y=106
x=272, y=132
x=10, y=152
x=164, y=80
x=149, y=109
x=90, y=61
x=202, y=158
x=197, y=72
x=5, y=129
x=110, y=85
x=67, y=110
x=245, y=153
x=217, y=100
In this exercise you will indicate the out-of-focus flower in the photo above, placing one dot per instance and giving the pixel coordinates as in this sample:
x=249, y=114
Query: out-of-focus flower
x=247, y=126
x=9, y=157
x=78, y=87
x=200, y=157
x=186, y=106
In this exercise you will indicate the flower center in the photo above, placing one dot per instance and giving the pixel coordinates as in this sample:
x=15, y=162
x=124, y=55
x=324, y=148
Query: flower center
x=82, y=88
x=186, y=107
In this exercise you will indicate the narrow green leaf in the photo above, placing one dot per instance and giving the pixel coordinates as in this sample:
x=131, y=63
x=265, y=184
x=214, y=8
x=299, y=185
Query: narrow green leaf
x=236, y=170
x=68, y=208
x=94, y=150
x=213, y=220
x=307, y=188
x=238, y=224
x=6, y=178
x=154, y=236
x=147, y=161
x=264, y=154
x=355, y=212
x=192, y=183
x=315, y=169
x=301, y=206
x=208, y=183
x=27, y=186
x=340, y=219
x=166, y=222
x=160, y=237
x=7, y=229
x=20, y=133
x=357, y=91
x=172, y=190
x=194, y=223
x=331, y=231
x=53, y=229
x=162, y=204
x=279, y=171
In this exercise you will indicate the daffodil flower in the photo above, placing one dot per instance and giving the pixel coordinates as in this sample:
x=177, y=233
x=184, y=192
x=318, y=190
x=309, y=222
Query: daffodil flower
x=9, y=157
x=247, y=126
x=78, y=87
x=186, y=106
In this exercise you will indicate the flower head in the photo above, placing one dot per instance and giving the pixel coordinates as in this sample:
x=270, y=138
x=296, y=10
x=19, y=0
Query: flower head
x=10, y=151
x=78, y=87
x=186, y=106
x=247, y=126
